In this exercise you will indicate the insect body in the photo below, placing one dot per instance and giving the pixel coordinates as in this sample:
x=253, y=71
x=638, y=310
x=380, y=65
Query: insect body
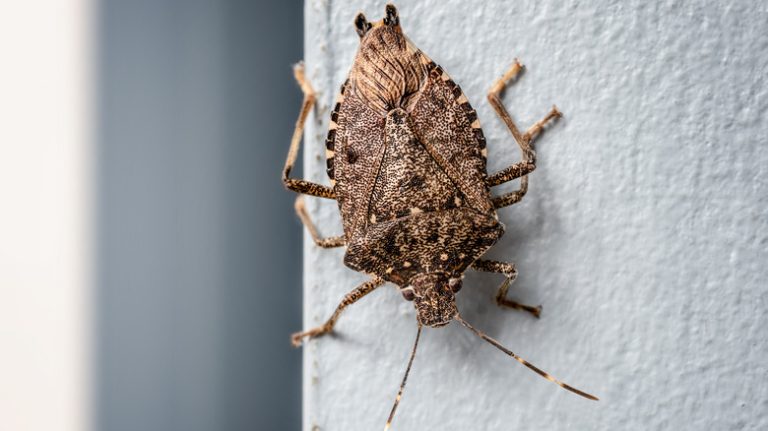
x=407, y=162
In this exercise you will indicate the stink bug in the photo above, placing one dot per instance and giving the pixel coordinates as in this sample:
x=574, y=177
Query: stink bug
x=407, y=162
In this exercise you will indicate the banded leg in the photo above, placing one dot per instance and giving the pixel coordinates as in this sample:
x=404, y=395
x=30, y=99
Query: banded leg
x=524, y=140
x=302, y=186
x=509, y=271
x=349, y=299
x=330, y=242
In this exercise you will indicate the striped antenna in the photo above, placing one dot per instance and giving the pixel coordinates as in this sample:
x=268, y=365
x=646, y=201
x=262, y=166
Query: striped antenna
x=524, y=362
x=405, y=377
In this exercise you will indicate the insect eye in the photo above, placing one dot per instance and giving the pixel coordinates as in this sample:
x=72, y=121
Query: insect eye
x=454, y=284
x=408, y=293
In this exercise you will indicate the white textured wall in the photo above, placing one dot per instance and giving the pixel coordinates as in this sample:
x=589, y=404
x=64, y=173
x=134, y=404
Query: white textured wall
x=643, y=234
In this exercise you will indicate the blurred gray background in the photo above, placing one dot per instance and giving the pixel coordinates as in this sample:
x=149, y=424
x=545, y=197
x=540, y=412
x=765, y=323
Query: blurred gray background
x=199, y=251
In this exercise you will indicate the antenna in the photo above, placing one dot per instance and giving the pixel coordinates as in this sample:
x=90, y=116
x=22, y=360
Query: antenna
x=522, y=361
x=405, y=378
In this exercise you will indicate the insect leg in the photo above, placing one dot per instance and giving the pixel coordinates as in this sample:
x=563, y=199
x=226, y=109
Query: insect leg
x=349, y=299
x=330, y=242
x=509, y=271
x=302, y=186
x=524, y=140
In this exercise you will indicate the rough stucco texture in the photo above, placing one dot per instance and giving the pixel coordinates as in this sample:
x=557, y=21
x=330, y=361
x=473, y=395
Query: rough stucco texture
x=643, y=234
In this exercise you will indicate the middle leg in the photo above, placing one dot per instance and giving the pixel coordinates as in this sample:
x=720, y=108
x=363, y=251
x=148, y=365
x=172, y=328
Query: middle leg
x=330, y=242
x=509, y=271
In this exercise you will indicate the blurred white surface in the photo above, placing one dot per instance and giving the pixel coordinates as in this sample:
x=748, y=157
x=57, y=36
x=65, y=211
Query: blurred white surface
x=45, y=214
x=643, y=234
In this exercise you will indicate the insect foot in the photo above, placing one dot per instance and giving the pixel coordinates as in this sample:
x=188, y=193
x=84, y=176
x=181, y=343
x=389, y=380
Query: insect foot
x=298, y=337
x=510, y=274
x=349, y=299
x=406, y=160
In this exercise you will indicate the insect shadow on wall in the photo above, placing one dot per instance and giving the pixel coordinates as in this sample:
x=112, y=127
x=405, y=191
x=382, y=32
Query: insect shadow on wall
x=406, y=158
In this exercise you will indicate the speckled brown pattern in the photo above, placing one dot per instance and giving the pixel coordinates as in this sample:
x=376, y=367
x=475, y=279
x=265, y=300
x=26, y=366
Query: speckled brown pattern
x=407, y=160
x=407, y=157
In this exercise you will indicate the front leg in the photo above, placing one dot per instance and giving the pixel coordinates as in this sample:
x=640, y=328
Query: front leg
x=509, y=271
x=349, y=299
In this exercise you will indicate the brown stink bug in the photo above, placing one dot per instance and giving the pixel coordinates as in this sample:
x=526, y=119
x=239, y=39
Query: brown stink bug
x=407, y=162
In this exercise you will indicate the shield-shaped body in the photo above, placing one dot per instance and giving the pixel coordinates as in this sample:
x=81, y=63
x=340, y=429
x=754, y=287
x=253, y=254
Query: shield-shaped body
x=406, y=156
x=407, y=160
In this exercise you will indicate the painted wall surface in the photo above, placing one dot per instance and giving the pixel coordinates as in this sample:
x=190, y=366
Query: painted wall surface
x=643, y=234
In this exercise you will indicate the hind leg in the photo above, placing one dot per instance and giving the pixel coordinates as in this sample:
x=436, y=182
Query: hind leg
x=303, y=186
x=509, y=271
x=524, y=141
